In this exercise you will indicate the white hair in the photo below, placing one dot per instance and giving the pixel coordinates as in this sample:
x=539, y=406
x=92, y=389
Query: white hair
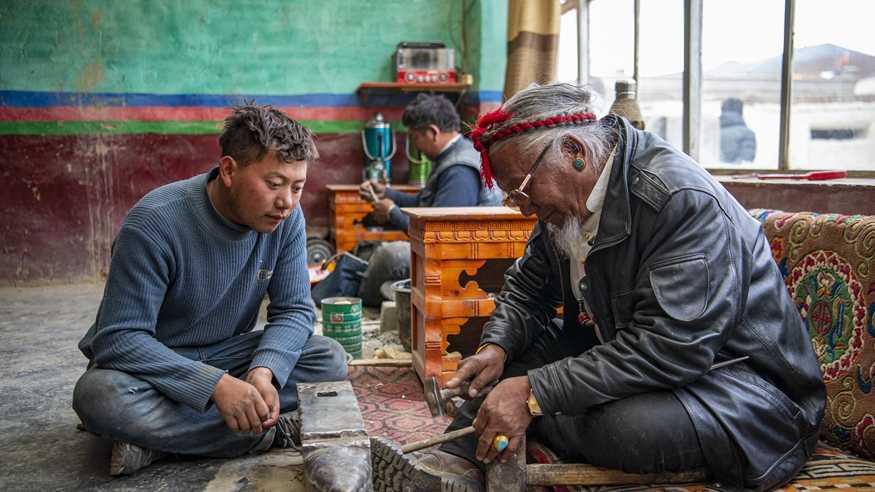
x=538, y=102
x=569, y=238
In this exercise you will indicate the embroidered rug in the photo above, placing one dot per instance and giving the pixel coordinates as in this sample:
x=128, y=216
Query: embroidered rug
x=392, y=404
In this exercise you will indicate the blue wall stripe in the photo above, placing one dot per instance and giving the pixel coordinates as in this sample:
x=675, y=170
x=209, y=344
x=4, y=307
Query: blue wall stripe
x=29, y=99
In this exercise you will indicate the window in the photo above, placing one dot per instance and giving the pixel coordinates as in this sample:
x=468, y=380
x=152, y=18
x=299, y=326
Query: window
x=661, y=66
x=611, y=48
x=746, y=108
x=567, y=55
x=832, y=113
x=741, y=83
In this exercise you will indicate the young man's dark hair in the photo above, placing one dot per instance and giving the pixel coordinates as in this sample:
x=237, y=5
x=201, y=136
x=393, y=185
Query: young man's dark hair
x=251, y=130
x=431, y=109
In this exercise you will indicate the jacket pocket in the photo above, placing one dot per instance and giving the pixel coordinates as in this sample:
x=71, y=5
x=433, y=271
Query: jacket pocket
x=681, y=285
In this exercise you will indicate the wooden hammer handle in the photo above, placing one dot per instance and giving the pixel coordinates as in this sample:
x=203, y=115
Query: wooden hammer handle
x=449, y=436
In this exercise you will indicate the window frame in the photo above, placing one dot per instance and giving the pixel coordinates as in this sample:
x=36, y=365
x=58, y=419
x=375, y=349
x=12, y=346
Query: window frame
x=692, y=79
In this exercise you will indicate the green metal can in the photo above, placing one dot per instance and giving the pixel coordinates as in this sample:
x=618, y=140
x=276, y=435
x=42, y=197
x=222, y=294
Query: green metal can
x=342, y=321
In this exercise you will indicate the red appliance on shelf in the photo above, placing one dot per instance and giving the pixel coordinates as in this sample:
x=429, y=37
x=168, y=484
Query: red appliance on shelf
x=425, y=63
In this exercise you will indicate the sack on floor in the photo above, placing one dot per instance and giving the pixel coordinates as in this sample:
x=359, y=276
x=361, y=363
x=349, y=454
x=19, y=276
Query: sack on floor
x=343, y=281
x=390, y=262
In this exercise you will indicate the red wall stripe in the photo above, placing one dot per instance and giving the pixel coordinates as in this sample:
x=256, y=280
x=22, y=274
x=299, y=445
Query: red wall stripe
x=191, y=113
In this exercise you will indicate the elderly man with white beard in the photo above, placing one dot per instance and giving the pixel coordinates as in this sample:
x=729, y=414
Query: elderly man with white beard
x=679, y=346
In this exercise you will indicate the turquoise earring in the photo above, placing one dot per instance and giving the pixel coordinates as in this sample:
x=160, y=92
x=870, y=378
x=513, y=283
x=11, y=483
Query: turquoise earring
x=579, y=164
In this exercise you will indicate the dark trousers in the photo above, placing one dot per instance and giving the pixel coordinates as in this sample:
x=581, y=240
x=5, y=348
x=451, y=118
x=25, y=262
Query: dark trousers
x=123, y=407
x=645, y=433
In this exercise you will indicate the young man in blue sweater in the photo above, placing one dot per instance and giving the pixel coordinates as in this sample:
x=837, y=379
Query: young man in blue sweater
x=175, y=366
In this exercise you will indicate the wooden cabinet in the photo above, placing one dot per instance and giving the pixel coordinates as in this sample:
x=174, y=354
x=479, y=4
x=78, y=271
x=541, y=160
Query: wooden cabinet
x=458, y=259
x=347, y=210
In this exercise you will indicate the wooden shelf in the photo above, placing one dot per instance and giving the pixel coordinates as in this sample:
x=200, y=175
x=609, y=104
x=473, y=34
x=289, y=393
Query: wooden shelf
x=366, y=88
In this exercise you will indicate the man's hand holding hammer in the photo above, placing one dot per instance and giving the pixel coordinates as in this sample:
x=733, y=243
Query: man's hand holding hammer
x=504, y=411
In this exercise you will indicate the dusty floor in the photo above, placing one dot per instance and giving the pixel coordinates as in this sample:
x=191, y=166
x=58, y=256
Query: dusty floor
x=40, y=448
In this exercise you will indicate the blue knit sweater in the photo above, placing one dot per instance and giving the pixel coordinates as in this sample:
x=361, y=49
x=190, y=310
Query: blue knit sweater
x=181, y=276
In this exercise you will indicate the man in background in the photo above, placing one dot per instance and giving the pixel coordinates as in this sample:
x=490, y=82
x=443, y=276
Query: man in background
x=738, y=143
x=174, y=364
x=434, y=127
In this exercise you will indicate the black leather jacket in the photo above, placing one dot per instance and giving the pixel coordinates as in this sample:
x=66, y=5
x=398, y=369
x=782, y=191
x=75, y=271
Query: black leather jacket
x=680, y=277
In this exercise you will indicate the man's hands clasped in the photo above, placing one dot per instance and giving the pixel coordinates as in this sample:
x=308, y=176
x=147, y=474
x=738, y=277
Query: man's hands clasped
x=248, y=406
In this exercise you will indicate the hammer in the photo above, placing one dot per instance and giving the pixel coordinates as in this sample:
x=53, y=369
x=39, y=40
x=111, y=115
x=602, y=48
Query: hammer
x=440, y=400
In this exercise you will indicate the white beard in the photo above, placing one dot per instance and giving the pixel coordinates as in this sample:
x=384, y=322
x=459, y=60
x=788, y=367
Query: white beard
x=568, y=238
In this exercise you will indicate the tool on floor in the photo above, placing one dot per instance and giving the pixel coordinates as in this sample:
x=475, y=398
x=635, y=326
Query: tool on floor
x=439, y=439
x=500, y=442
x=440, y=400
x=809, y=176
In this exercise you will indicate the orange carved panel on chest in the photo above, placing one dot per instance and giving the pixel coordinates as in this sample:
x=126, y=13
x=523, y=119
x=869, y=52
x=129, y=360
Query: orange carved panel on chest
x=346, y=211
x=458, y=257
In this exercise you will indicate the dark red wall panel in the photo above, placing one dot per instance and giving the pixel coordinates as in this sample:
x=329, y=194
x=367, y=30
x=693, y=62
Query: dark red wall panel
x=65, y=196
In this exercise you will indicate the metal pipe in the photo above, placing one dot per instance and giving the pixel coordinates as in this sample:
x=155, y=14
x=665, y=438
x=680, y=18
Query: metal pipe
x=692, y=77
x=583, y=42
x=786, y=85
x=636, y=41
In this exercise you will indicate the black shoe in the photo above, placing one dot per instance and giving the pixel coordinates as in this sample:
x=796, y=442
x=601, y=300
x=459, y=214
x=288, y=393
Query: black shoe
x=127, y=458
x=430, y=470
x=288, y=431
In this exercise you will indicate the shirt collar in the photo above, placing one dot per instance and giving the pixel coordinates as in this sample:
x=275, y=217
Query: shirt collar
x=596, y=200
x=450, y=143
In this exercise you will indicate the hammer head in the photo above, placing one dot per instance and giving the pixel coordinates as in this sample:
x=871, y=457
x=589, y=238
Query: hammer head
x=433, y=397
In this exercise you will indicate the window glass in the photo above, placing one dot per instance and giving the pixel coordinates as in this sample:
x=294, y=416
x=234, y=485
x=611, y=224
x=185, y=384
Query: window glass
x=567, y=69
x=832, y=123
x=612, y=45
x=661, y=68
x=741, y=83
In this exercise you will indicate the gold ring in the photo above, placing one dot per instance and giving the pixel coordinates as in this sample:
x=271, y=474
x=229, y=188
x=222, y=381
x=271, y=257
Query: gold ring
x=500, y=442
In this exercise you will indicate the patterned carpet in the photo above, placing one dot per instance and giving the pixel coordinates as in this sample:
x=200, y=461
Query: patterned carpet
x=392, y=404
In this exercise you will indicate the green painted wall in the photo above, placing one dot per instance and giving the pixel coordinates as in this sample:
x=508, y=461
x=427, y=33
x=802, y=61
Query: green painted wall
x=233, y=46
x=486, y=28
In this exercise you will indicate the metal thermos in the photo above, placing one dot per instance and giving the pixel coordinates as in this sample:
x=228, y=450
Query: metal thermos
x=378, y=144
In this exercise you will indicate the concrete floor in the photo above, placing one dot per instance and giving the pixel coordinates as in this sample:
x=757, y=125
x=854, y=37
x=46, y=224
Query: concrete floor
x=40, y=448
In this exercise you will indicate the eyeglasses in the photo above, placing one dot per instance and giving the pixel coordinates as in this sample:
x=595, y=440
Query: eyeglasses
x=517, y=197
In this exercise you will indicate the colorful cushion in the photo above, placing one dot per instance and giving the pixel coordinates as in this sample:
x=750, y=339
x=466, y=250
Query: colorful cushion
x=828, y=264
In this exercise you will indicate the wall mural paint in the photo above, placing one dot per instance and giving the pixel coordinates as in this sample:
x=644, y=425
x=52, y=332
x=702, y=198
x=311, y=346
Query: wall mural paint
x=102, y=101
